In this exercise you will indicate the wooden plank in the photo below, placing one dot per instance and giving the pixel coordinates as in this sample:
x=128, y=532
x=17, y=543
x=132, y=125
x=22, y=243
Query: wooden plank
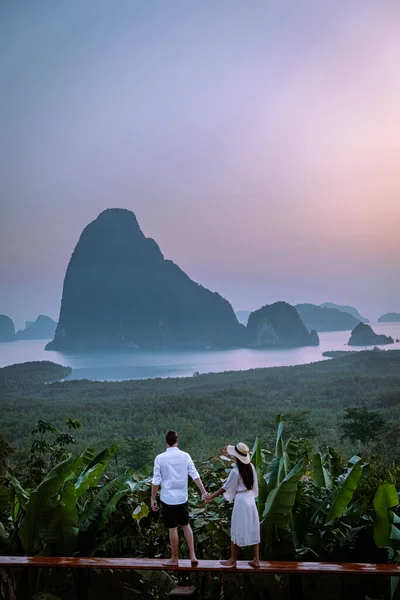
x=182, y=590
x=204, y=565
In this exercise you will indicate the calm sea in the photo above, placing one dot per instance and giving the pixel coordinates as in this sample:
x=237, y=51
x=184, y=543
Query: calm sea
x=117, y=366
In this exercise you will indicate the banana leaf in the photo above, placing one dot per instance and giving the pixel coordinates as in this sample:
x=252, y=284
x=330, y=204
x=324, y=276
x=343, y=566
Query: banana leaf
x=262, y=492
x=42, y=500
x=142, y=510
x=334, y=461
x=291, y=453
x=385, y=499
x=256, y=455
x=345, y=493
x=280, y=501
x=104, y=503
x=125, y=486
x=21, y=494
x=102, y=457
x=275, y=469
x=88, y=479
x=321, y=476
x=279, y=443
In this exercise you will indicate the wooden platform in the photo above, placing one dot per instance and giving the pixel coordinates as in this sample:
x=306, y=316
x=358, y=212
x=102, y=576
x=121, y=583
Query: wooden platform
x=155, y=564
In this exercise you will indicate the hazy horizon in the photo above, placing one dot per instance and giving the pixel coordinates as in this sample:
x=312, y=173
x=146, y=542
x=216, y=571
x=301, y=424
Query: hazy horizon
x=257, y=143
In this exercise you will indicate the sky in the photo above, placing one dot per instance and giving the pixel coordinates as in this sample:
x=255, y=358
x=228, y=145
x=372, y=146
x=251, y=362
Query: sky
x=258, y=142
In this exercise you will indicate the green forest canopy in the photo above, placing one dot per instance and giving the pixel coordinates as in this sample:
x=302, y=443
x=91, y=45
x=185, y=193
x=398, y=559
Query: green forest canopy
x=209, y=410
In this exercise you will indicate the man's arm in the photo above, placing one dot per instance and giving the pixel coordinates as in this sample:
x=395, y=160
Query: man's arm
x=154, y=490
x=196, y=478
x=155, y=484
x=201, y=487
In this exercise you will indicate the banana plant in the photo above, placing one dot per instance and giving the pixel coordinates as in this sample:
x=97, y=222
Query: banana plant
x=386, y=521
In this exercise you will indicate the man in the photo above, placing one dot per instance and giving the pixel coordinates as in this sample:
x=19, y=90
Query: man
x=171, y=470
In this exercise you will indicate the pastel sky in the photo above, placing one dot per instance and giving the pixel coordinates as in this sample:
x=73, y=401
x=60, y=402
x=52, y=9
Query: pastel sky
x=258, y=142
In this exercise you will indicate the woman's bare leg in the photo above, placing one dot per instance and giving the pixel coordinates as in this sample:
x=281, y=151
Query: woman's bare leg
x=256, y=560
x=232, y=561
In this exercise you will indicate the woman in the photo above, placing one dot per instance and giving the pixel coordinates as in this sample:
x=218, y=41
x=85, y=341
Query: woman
x=241, y=487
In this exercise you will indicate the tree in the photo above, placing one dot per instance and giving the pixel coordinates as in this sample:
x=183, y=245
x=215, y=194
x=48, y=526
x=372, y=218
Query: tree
x=5, y=453
x=362, y=425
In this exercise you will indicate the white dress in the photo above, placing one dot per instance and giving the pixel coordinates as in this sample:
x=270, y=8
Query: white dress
x=245, y=525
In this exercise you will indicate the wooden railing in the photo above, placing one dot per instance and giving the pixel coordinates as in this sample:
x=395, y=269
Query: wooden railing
x=203, y=565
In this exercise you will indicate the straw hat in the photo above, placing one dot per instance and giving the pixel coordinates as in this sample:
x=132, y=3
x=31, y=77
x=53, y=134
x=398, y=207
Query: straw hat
x=241, y=451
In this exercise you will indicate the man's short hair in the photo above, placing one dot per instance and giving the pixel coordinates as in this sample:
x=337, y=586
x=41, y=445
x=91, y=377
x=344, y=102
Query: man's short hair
x=171, y=438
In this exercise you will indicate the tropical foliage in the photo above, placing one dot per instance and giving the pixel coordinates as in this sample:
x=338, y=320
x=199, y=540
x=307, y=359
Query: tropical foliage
x=312, y=506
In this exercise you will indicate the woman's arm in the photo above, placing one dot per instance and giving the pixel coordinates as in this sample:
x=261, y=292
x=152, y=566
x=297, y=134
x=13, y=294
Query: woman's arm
x=215, y=494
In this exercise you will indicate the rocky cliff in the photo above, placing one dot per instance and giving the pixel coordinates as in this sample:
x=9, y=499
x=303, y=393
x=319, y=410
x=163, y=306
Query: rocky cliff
x=120, y=292
x=325, y=319
x=279, y=325
x=363, y=335
x=7, y=329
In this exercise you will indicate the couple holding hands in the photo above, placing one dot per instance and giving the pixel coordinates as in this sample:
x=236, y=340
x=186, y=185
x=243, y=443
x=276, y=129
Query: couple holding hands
x=171, y=471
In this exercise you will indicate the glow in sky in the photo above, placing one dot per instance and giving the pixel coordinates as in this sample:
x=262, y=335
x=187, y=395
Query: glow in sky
x=257, y=142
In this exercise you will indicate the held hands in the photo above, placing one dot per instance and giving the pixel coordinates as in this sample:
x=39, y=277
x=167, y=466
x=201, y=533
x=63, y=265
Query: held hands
x=206, y=497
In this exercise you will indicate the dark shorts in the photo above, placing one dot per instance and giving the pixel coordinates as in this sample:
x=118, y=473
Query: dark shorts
x=175, y=514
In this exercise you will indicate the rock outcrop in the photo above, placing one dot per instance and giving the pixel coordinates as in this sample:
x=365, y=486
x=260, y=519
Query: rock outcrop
x=389, y=318
x=363, y=335
x=347, y=309
x=120, y=292
x=7, y=329
x=279, y=325
x=42, y=329
x=325, y=319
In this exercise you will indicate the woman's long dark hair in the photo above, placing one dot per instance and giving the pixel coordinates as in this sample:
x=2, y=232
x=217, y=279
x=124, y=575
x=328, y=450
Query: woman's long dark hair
x=246, y=473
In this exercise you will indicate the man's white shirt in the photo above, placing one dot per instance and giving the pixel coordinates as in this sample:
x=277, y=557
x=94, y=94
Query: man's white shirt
x=171, y=471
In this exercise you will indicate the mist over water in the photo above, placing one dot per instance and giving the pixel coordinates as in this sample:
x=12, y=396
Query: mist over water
x=119, y=366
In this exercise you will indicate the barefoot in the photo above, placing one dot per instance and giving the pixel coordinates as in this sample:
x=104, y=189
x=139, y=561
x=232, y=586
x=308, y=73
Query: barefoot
x=170, y=563
x=194, y=561
x=254, y=563
x=228, y=563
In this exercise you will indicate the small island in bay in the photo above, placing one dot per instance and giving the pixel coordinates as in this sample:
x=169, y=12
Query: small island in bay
x=279, y=325
x=325, y=319
x=389, y=318
x=33, y=372
x=7, y=329
x=351, y=310
x=42, y=329
x=364, y=335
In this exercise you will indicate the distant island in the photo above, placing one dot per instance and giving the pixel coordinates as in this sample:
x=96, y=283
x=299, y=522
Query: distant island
x=325, y=319
x=42, y=329
x=279, y=325
x=43, y=371
x=363, y=335
x=7, y=329
x=338, y=353
x=347, y=309
x=389, y=318
x=120, y=292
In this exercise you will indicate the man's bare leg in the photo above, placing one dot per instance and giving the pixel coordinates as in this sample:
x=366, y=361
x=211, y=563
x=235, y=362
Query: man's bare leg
x=188, y=533
x=256, y=560
x=174, y=541
x=232, y=561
